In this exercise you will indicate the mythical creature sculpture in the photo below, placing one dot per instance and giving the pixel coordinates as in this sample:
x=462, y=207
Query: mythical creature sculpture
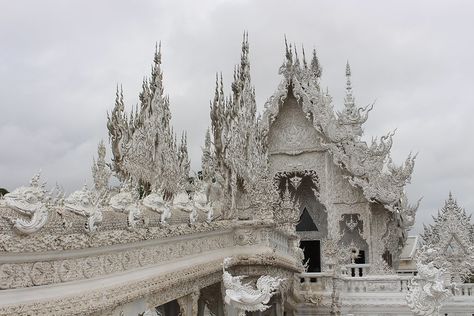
x=31, y=201
x=127, y=202
x=156, y=203
x=85, y=203
x=428, y=290
x=181, y=202
x=243, y=296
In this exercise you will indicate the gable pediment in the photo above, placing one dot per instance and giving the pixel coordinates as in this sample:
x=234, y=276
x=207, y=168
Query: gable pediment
x=291, y=132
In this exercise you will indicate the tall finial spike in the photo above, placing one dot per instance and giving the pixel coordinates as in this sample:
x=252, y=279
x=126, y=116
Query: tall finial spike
x=288, y=53
x=349, y=99
x=315, y=66
x=304, y=57
x=157, y=58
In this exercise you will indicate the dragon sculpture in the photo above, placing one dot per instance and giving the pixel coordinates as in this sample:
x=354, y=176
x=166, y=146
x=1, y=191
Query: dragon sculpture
x=243, y=296
x=30, y=201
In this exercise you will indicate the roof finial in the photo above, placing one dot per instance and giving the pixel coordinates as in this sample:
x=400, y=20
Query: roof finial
x=349, y=99
x=297, y=60
x=157, y=58
x=288, y=53
x=304, y=58
x=450, y=196
x=316, y=68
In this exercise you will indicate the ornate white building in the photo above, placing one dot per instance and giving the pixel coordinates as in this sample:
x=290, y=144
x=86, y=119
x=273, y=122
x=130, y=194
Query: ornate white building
x=291, y=214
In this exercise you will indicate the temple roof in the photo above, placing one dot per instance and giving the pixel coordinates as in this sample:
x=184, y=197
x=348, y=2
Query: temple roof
x=369, y=165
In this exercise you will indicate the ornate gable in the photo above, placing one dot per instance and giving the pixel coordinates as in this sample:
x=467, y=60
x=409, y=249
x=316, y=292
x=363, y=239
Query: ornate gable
x=291, y=132
x=368, y=167
x=449, y=242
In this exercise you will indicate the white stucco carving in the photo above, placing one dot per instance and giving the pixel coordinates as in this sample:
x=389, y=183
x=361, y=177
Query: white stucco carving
x=30, y=201
x=243, y=296
x=85, y=203
x=164, y=234
x=428, y=290
x=155, y=202
x=127, y=201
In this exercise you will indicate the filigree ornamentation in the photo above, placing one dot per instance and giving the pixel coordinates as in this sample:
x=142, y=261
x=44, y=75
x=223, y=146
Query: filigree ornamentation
x=334, y=255
x=164, y=219
x=243, y=296
x=289, y=210
x=144, y=146
x=351, y=224
x=449, y=242
x=369, y=165
x=237, y=152
x=295, y=181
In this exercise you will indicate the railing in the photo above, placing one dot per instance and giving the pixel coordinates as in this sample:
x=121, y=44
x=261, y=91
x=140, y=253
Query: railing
x=323, y=282
x=356, y=270
x=355, y=281
x=315, y=281
x=465, y=289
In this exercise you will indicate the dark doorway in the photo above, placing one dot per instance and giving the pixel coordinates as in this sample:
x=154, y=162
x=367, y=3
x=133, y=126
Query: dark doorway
x=312, y=254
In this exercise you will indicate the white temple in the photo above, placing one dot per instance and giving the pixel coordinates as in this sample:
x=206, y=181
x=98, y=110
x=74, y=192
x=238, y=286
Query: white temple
x=291, y=214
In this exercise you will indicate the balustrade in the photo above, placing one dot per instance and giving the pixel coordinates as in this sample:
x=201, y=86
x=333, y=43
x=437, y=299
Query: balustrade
x=356, y=270
x=465, y=289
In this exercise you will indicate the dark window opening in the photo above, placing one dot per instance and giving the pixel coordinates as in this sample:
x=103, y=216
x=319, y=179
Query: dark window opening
x=312, y=254
x=387, y=256
x=361, y=258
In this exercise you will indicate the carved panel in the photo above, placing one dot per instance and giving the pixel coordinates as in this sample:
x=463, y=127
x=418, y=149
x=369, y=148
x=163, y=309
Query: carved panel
x=291, y=132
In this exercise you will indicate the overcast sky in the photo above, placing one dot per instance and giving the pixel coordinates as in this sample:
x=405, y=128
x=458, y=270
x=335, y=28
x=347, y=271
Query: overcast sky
x=60, y=62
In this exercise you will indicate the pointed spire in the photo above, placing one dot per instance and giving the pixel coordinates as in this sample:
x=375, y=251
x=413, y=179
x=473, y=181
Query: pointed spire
x=297, y=60
x=288, y=53
x=305, y=64
x=242, y=73
x=121, y=94
x=316, y=68
x=157, y=58
x=349, y=99
x=156, y=74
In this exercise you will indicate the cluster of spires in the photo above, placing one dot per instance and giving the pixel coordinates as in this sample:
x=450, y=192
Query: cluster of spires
x=235, y=144
x=150, y=123
x=314, y=66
